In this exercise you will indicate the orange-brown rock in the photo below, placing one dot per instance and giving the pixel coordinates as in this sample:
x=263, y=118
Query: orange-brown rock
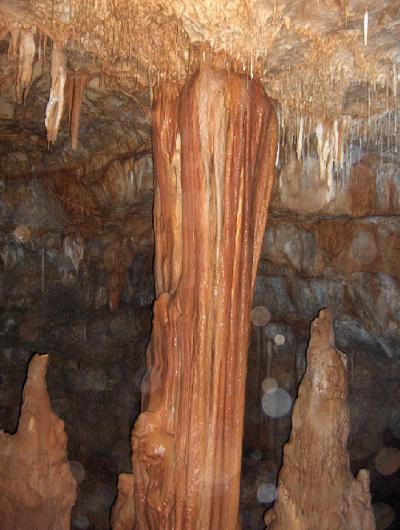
x=214, y=151
x=37, y=489
x=316, y=489
x=123, y=512
x=55, y=105
x=74, y=89
x=26, y=54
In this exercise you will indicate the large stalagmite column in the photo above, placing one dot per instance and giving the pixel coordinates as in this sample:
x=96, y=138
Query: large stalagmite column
x=214, y=151
x=316, y=489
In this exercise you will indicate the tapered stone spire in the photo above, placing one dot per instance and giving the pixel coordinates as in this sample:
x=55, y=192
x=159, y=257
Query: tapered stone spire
x=316, y=490
x=37, y=489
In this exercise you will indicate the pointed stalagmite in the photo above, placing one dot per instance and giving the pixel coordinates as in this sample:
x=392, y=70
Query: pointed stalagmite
x=55, y=105
x=214, y=150
x=37, y=489
x=26, y=54
x=316, y=489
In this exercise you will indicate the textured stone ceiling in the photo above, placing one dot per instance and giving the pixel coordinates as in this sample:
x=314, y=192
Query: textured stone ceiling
x=322, y=61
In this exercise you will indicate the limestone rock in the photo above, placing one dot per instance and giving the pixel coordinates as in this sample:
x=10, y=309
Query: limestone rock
x=37, y=489
x=55, y=105
x=26, y=56
x=123, y=513
x=316, y=490
x=211, y=202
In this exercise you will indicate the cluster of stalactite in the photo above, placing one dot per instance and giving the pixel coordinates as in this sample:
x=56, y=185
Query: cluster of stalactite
x=67, y=88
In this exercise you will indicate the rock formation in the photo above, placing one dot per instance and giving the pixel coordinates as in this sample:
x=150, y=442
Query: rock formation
x=214, y=150
x=55, y=105
x=316, y=490
x=37, y=489
x=123, y=512
x=74, y=93
x=26, y=55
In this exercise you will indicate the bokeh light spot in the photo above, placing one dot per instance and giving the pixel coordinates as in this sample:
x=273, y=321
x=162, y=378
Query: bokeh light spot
x=266, y=493
x=260, y=315
x=269, y=384
x=279, y=339
x=81, y=522
x=387, y=461
x=256, y=454
x=384, y=515
x=276, y=403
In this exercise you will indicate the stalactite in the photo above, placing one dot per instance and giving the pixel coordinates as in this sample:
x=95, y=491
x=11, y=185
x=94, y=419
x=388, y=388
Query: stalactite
x=37, y=489
x=316, y=490
x=366, y=28
x=299, y=150
x=323, y=149
x=26, y=54
x=75, y=88
x=214, y=151
x=55, y=105
x=74, y=249
x=12, y=53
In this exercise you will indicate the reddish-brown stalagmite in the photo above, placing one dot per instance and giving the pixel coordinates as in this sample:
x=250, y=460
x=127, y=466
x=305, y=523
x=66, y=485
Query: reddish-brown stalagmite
x=37, y=489
x=316, y=489
x=214, y=150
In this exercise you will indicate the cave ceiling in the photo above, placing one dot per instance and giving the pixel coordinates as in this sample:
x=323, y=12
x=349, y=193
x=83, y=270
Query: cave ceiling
x=321, y=60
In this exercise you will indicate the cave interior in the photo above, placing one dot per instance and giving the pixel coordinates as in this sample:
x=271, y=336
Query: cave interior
x=80, y=81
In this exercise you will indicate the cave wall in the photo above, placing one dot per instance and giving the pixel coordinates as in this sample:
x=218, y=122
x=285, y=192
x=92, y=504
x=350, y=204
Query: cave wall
x=346, y=259
x=76, y=257
x=50, y=305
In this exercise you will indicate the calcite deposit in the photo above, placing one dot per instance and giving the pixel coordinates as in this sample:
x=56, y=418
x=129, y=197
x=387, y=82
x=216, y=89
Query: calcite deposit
x=55, y=105
x=74, y=92
x=78, y=79
x=214, y=150
x=37, y=489
x=26, y=54
x=123, y=512
x=316, y=490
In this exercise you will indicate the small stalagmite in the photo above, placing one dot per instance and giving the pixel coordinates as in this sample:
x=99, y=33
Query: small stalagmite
x=37, y=489
x=215, y=146
x=55, y=105
x=316, y=490
x=26, y=54
x=123, y=512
